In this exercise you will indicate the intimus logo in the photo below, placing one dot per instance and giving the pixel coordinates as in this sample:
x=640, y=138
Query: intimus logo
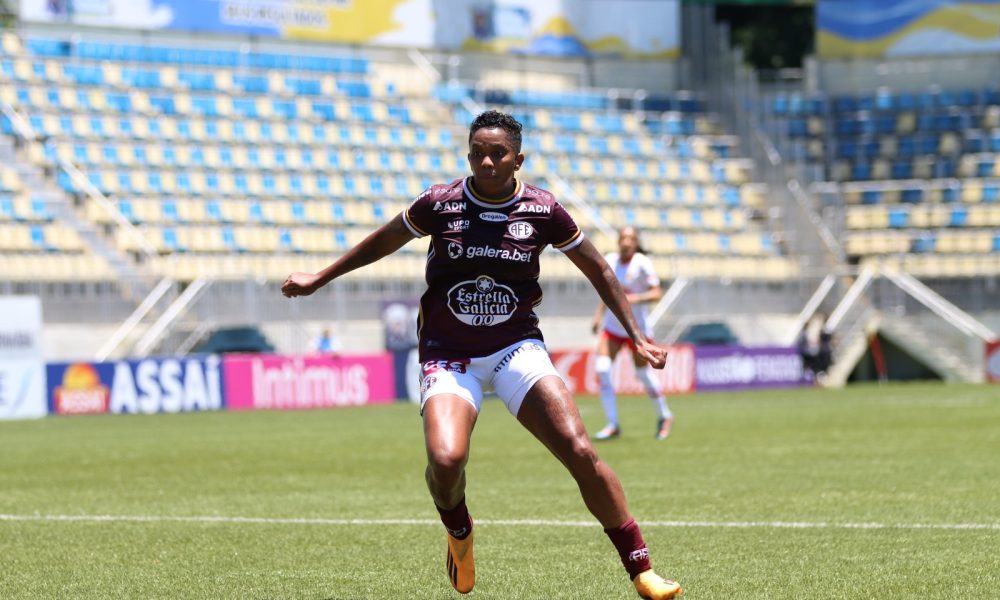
x=520, y=230
x=493, y=217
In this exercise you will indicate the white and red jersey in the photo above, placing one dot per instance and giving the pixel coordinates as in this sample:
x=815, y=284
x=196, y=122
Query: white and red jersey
x=636, y=276
x=482, y=265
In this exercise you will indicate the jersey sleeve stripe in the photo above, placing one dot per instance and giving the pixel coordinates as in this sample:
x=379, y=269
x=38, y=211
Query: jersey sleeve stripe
x=571, y=243
x=411, y=226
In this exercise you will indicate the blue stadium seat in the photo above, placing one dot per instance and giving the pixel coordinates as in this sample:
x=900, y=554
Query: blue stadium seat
x=991, y=193
x=304, y=87
x=958, y=217
x=354, y=89
x=197, y=81
x=899, y=218
x=924, y=243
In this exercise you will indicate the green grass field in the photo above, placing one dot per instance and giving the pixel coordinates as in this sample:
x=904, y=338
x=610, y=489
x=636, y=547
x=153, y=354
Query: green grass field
x=890, y=492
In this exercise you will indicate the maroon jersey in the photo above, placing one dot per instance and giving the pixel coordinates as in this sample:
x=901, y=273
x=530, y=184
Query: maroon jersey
x=482, y=265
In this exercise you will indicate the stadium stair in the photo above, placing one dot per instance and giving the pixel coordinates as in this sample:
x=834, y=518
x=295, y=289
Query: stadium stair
x=936, y=352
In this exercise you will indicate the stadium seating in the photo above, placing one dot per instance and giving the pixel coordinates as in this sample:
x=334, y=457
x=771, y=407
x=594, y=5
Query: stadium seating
x=235, y=163
x=917, y=174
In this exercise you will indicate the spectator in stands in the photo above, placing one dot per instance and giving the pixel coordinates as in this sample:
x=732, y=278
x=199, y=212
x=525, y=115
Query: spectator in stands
x=479, y=329
x=326, y=343
x=635, y=272
x=815, y=346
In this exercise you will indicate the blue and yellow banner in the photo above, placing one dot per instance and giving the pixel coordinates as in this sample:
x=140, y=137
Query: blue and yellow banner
x=885, y=28
x=631, y=28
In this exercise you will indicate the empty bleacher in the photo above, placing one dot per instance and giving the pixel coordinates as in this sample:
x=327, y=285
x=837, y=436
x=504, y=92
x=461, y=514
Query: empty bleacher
x=233, y=163
x=916, y=175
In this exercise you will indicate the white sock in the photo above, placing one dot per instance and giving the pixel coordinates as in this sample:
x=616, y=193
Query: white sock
x=648, y=380
x=608, y=398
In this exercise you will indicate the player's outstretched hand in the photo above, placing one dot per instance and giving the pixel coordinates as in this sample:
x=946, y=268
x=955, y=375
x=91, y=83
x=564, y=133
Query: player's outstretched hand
x=300, y=284
x=655, y=355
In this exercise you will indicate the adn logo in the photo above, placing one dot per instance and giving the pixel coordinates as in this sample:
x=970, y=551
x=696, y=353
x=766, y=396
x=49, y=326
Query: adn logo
x=449, y=206
x=520, y=230
x=493, y=217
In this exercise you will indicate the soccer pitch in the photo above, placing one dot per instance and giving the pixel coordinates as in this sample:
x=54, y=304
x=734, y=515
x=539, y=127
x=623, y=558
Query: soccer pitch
x=870, y=492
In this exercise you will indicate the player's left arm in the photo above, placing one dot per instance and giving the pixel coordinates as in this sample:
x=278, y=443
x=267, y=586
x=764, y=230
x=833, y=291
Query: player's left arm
x=597, y=270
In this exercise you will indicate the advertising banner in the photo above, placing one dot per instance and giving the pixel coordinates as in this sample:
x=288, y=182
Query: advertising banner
x=993, y=361
x=22, y=371
x=738, y=368
x=145, y=386
x=877, y=28
x=551, y=27
x=577, y=369
x=632, y=28
x=266, y=381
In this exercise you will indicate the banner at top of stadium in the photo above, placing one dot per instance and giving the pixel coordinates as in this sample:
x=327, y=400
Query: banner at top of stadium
x=632, y=28
x=883, y=28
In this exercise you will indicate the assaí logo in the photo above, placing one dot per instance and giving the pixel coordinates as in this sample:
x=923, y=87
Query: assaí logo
x=146, y=386
x=81, y=392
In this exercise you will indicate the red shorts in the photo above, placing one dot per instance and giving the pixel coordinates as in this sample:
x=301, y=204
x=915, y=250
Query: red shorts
x=621, y=339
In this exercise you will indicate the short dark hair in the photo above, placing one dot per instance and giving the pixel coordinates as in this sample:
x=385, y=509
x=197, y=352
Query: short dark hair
x=495, y=118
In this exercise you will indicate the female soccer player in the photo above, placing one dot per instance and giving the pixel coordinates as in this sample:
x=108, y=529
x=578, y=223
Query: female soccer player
x=478, y=329
x=635, y=272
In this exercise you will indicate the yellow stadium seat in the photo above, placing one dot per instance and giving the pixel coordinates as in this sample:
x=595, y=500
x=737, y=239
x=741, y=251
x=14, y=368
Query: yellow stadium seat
x=881, y=169
x=967, y=166
x=949, y=143
x=699, y=171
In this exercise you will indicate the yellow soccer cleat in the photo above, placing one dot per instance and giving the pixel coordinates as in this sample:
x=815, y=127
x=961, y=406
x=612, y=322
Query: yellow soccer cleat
x=653, y=587
x=461, y=564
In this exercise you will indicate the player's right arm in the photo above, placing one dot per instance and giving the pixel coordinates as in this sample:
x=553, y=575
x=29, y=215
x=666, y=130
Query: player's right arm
x=382, y=242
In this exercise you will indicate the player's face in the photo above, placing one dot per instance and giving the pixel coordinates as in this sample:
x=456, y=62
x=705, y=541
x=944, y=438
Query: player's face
x=493, y=161
x=628, y=242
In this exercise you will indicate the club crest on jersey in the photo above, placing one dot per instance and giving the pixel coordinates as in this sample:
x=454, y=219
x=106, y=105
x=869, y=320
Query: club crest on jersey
x=482, y=302
x=449, y=206
x=520, y=230
x=534, y=208
x=493, y=217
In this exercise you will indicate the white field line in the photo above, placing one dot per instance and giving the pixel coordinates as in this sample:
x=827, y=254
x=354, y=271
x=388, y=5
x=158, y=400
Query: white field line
x=514, y=522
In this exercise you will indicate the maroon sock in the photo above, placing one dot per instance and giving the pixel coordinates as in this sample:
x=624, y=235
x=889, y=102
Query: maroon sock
x=631, y=547
x=456, y=520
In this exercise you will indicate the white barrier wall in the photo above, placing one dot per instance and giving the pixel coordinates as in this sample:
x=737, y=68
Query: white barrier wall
x=22, y=371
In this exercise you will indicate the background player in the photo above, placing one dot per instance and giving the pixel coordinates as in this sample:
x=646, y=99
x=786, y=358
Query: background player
x=635, y=272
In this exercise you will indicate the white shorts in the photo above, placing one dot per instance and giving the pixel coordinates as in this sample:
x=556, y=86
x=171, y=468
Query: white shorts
x=510, y=372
